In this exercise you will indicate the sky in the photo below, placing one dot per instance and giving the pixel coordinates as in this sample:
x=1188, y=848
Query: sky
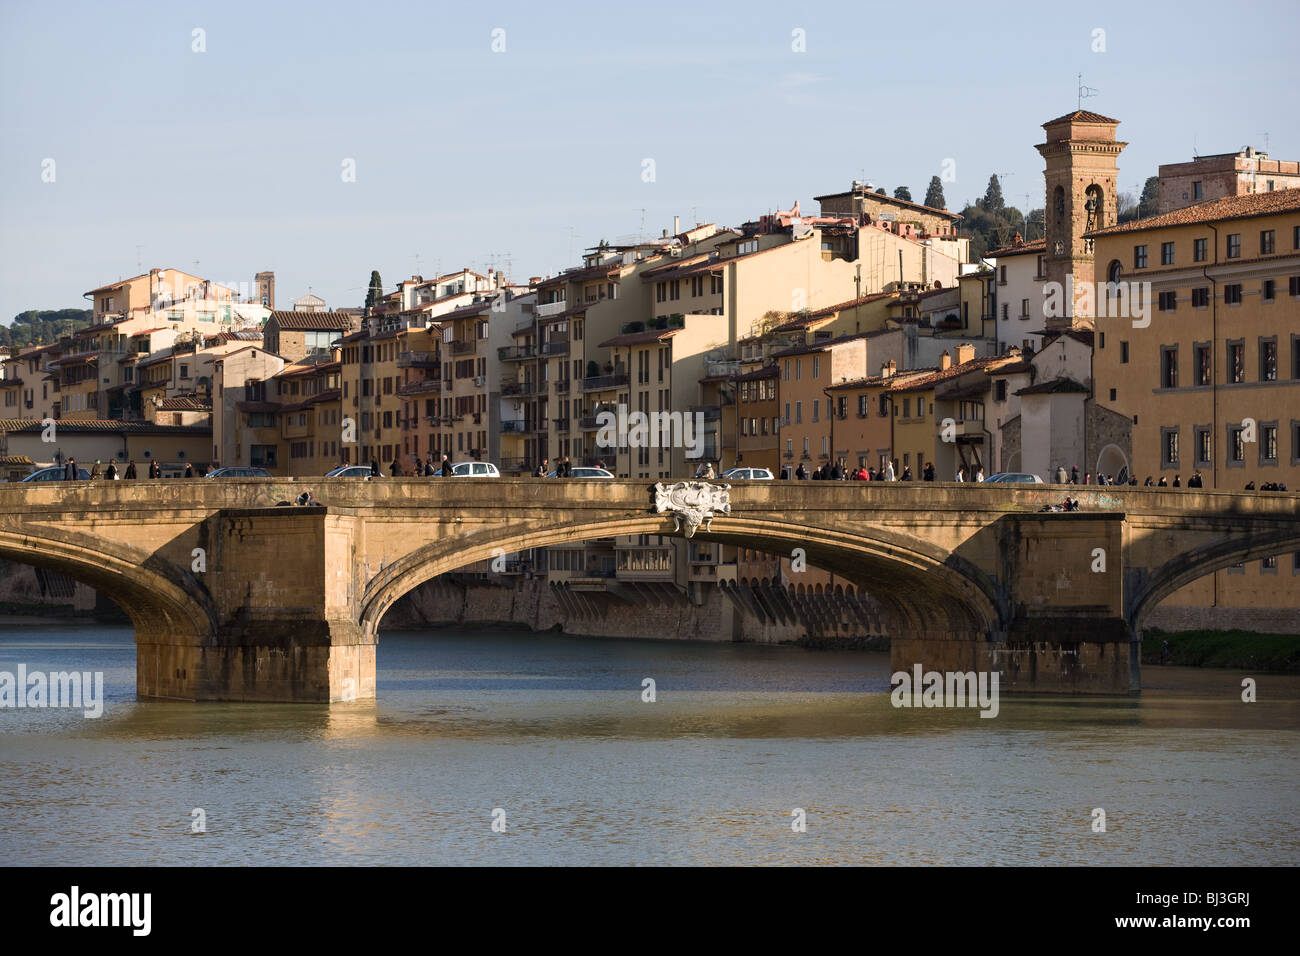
x=217, y=137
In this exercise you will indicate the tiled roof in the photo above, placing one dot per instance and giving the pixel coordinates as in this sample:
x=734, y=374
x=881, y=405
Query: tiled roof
x=880, y=197
x=1055, y=386
x=103, y=425
x=937, y=376
x=873, y=380
x=1080, y=116
x=1037, y=246
x=183, y=404
x=1079, y=335
x=808, y=318
x=767, y=371
x=824, y=344
x=291, y=370
x=1216, y=210
x=310, y=321
x=115, y=285
x=16, y=460
x=582, y=275
x=686, y=263
x=640, y=338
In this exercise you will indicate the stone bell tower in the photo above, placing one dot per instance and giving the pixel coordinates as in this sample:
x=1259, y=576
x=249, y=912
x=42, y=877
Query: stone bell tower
x=1082, y=171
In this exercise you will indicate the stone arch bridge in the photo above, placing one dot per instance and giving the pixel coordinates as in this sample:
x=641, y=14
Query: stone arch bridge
x=236, y=598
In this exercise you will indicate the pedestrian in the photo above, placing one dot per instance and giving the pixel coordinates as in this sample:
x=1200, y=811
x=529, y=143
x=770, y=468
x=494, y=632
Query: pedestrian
x=1195, y=481
x=961, y=475
x=130, y=470
x=1163, y=482
x=1060, y=475
x=1074, y=474
x=448, y=467
x=1148, y=483
x=1178, y=481
x=542, y=471
x=70, y=470
x=374, y=468
x=568, y=468
x=928, y=473
x=155, y=469
x=709, y=472
x=837, y=473
x=395, y=469
x=428, y=466
x=863, y=473
x=189, y=470
x=801, y=473
x=1250, y=486
x=907, y=473
x=110, y=473
x=979, y=474
x=94, y=471
x=700, y=469
x=889, y=471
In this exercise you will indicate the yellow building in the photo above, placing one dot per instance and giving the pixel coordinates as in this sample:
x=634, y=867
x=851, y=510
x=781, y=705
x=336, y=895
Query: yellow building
x=310, y=416
x=1209, y=378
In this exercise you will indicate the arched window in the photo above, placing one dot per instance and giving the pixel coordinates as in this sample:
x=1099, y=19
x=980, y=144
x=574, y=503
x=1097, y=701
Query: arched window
x=1058, y=203
x=1114, y=270
x=1094, y=205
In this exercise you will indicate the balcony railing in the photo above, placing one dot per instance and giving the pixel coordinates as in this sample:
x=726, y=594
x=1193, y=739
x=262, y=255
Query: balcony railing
x=421, y=387
x=562, y=424
x=559, y=347
x=550, y=308
x=588, y=423
x=516, y=353
x=599, y=382
x=417, y=360
x=514, y=426
x=562, y=386
x=517, y=389
x=463, y=348
x=711, y=413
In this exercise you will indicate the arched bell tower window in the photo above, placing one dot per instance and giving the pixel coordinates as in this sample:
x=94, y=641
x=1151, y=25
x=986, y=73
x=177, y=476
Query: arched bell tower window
x=1058, y=205
x=1095, y=206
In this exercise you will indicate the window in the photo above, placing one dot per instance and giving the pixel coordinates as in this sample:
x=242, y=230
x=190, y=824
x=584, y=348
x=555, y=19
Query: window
x=1006, y=311
x=787, y=414
x=1232, y=293
x=842, y=407
x=1002, y=275
x=1168, y=301
x=1139, y=257
x=1123, y=353
x=1169, y=447
x=1268, y=443
x=1237, y=446
x=1294, y=285
x=1169, y=366
x=1266, y=241
x=1201, y=298
x=746, y=247
x=1024, y=308
x=1202, y=365
x=1268, y=360
x=816, y=366
x=816, y=405
x=1000, y=390
x=798, y=413
x=1199, y=250
x=863, y=408
x=1197, y=191
x=1236, y=362
x=907, y=408
x=1267, y=290
x=1204, y=446
x=1166, y=253
x=798, y=369
x=1234, y=245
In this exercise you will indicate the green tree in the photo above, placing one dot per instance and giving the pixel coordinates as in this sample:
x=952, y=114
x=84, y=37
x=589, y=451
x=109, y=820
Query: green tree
x=1150, y=200
x=993, y=196
x=903, y=193
x=375, y=294
x=881, y=191
x=934, y=195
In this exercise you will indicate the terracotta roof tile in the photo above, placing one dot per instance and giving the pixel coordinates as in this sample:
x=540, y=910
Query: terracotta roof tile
x=310, y=321
x=1216, y=210
x=640, y=338
x=1080, y=116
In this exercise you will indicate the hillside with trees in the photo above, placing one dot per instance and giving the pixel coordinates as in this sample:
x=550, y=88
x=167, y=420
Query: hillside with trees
x=42, y=326
x=991, y=223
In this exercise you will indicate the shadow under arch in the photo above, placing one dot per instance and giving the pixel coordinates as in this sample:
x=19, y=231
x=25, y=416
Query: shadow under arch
x=164, y=607
x=1144, y=594
x=923, y=589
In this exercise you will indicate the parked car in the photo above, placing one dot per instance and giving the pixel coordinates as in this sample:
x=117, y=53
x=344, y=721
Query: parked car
x=352, y=471
x=748, y=474
x=586, y=471
x=56, y=473
x=239, y=471
x=1014, y=477
x=473, y=469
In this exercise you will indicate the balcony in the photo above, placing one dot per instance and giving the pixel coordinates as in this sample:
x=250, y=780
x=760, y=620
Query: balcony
x=556, y=347
x=562, y=424
x=515, y=426
x=417, y=360
x=711, y=413
x=517, y=389
x=540, y=427
x=516, y=353
x=422, y=387
x=598, y=383
x=588, y=423
x=549, y=308
x=562, y=386
x=464, y=348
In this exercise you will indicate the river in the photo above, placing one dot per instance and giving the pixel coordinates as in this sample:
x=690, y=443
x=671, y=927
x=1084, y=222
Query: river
x=553, y=731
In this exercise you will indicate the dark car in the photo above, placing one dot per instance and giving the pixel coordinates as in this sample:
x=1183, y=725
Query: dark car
x=56, y=473
x=352, y=471
x=239, y=471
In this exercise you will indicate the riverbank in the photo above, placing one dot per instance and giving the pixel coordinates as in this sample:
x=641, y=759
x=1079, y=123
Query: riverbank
x=1237, y=650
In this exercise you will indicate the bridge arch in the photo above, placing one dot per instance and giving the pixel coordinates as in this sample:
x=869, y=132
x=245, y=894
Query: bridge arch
x=164, y=608
x=922, y=588
x=1145, y=594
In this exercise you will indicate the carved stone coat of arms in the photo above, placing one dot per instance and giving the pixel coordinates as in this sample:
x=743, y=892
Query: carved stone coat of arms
x=692, y=503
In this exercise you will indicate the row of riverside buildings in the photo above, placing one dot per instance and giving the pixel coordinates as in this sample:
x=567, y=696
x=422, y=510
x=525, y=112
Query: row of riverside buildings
x=862, y=332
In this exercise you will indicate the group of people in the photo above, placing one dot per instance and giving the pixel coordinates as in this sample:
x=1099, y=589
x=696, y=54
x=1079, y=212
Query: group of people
x=71, y=470
x=563, y=468
x=842, y=471
x=419, y=469
x=1266, y=486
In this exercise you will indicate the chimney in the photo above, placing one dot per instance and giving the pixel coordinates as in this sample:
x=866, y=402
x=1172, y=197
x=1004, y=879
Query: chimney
x=945, y=361
x=677, y=225
x=887, y=369
x=965, y=353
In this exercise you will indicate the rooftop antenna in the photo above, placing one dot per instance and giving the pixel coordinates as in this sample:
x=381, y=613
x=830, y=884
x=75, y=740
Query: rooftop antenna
x=1085, y=92
x=139, y=259
x=416, y=257
x=1266, y=141
x=641, y=236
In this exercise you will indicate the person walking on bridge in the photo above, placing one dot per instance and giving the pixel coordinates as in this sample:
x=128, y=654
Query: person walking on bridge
x=110, y=473
x=70, y=470
x=155, y=469
x=189, y=470
x=928, y=473
x=447, y=467
x=130, y=470
x=889, y=471
x=1060, y=475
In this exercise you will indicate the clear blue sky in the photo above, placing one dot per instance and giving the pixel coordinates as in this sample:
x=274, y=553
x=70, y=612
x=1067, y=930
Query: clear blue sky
x=232, y=157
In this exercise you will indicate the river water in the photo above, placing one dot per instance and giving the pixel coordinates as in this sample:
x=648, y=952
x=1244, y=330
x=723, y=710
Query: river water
x=553, y=731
